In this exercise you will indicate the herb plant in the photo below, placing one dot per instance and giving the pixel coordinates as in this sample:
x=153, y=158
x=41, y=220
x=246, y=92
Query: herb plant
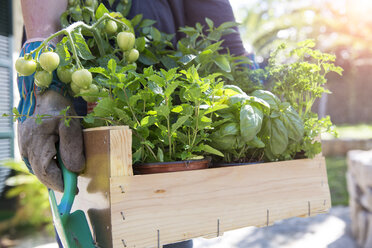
x=187, y=100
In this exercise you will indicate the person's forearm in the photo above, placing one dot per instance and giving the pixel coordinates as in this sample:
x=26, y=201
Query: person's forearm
x=42, y=17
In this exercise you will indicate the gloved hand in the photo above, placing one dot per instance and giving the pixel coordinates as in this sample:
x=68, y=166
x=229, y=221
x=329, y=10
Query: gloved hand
x=37, y=142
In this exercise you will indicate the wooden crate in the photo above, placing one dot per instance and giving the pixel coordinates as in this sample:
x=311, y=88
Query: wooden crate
x=153, y=210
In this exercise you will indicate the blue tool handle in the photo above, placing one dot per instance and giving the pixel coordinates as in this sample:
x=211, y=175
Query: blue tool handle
x=70, y=186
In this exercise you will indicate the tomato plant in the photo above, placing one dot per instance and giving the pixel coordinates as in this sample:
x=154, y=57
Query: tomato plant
x=126, y=40
x=82, y=78
x=111, y=27
x=25, y=67
x=43, y=78
x=49, y=61
x=75, y=88
x=132, y=55
x=65, y=73
x=89, y=94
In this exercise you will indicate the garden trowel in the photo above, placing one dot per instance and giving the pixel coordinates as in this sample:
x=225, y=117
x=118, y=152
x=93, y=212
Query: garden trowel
x=72, y=228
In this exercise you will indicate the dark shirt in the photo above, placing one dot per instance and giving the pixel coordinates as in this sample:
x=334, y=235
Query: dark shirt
x=170, y=15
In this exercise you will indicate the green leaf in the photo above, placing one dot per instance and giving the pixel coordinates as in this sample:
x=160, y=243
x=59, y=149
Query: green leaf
x=216, y=108
x=155, y=88
x=134, y=99
x=226, y=143
x=293, y=124
x=250, y=122
x=15, y=111
x=111, y=65
x=147, y=23
x=136, y=20
x=63, y=53
x=98, y=70
x=268, y=97
x=148, y=121
x=147, y=58
x=238, y=98
x=228, y=129
x=64, y=111
x=163, y=110
x=187, y=58
x=148, y=143
x=168, y=62
x=160, y=155
x=227, y=25
x=234, y=88
x=212, y=150
x=82, y=48
x=179, y=123
x=215, y=35
x=137, y=155
x=63, y=20
x=104, y=108
x=206, y=119
x=223, y=63
x=171, y=87
x=177, y=109
x=101, y=10
x=140, y=43
x=155, y=34
x=279, y=137
x=209, y=23
x=89, y=118
x=256, y=142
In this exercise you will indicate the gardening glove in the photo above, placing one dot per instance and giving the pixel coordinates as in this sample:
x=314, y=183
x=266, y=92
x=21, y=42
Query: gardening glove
x=37, y=142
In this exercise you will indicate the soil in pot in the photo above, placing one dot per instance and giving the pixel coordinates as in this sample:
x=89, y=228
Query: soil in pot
x=153, y=168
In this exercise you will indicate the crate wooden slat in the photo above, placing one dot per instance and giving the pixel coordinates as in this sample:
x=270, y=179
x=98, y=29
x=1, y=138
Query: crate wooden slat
x=143, y=210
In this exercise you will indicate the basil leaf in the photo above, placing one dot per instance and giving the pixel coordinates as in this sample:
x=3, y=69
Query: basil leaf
x=293, y=124
x=269, y=97
x=279, y=137
x=250, y=122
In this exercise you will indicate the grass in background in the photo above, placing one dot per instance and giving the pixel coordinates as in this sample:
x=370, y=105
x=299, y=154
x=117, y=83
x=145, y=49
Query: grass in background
x=361, y=131
x=336, y=169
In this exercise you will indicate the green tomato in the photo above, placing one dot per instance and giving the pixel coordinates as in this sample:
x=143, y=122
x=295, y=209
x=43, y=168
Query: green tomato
x=43, y=78
x=82, y=78
x=25, y=67
x=132, y=55
x=92, y=89
x=75, y=88
x=111, y=27
x=49, y=61
x=65, y=74
x=126, y=40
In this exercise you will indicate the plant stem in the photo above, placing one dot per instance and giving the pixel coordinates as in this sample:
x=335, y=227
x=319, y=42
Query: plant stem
x=74, y=52
x=196, y=125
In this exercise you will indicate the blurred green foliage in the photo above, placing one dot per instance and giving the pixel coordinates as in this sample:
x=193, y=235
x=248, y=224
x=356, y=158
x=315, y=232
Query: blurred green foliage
x=33, y=209
x=336, y=169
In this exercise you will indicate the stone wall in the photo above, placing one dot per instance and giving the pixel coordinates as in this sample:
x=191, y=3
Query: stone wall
x=359, y=180
x=340, y=147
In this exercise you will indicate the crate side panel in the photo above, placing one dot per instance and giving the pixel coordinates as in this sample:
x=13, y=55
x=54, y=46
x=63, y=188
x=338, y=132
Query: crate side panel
x=185, y=205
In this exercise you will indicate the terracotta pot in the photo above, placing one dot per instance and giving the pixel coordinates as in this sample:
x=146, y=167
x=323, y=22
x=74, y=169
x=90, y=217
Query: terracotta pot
x=153, y=168
x=233, y=164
